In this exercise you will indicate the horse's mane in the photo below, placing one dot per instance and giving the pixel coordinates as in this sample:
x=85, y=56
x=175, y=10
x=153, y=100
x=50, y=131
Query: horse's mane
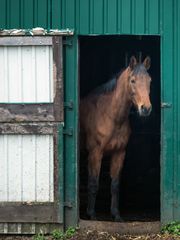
x=107, y=87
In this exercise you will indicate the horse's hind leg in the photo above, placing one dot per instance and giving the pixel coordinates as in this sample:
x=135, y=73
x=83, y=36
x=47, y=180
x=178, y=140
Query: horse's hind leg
x=116, y=166
x=94, y=165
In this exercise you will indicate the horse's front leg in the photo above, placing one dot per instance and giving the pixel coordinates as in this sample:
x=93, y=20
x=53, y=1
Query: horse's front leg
x=94, y=165
x=116, y=167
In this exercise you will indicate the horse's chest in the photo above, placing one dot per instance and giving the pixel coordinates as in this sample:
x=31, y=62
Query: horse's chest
x=118, y=139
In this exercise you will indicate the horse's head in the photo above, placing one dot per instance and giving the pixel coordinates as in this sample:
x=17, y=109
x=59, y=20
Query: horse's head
x=139, y=85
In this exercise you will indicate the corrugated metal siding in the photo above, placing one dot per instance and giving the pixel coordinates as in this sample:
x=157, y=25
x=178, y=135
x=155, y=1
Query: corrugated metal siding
x=26, y=74
x=175, y=99
x=29, y=13
x=112, y=17
x=85, y=16
x=26, y=168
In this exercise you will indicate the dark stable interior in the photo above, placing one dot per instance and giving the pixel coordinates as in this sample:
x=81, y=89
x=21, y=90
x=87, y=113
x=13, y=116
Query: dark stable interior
x=100, y=58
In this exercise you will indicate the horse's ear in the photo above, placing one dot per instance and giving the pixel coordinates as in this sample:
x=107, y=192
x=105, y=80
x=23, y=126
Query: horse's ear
x=147, y=62
x=132, y=62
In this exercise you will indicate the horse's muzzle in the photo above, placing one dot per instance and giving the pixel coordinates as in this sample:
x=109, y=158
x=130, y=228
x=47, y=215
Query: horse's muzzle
x=145, y=111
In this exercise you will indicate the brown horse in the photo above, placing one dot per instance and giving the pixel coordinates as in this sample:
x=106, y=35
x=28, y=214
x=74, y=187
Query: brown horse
x=105, y=125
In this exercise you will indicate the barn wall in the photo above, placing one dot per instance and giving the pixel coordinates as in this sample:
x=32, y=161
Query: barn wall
x=115, y=17
x=112, y=17
x=29, y=13
x=85, y=16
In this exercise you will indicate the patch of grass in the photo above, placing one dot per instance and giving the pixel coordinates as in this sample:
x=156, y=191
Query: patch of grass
x=70, y=232
x=39, y=236
x=59, y=235
x=172, y=228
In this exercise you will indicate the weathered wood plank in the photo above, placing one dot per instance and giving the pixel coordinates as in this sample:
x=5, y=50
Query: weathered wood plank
x=29, y=228
x=25, y=41
x=27, y=112
x=27, y=128
x=58, y=79
x=25, y=213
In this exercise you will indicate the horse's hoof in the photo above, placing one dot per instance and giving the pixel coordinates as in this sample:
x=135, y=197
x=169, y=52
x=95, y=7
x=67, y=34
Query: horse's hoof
x=117, y=218
x=93, y=218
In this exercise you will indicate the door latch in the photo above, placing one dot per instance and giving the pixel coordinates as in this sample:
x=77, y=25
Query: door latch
x=166, y=105
x=68, y=204
x=68, y=43
x=68, y=132
x=68, y=105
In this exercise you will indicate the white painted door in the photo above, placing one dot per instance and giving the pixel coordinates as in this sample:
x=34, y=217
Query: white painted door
x=31, y=120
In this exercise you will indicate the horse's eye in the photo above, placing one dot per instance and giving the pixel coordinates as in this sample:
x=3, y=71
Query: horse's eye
x=133, y=81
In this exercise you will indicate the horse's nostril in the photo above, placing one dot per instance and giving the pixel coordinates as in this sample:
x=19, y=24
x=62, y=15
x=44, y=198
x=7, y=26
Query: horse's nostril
x=146, y=110
x=143, y=109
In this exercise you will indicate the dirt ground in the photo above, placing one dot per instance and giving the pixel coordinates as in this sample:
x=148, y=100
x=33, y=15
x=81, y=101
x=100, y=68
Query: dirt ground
x=95, y=235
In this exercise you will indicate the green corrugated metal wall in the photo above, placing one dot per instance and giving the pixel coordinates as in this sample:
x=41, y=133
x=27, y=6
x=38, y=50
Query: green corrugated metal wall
x=153, y=17
x=113, y=16
x=87, y=17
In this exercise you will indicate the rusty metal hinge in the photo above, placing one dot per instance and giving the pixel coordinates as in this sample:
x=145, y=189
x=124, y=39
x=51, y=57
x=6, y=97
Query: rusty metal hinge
x=68, y=42
x=68, y=204
x=68, y=132
x=69, y=105
x=166, y=105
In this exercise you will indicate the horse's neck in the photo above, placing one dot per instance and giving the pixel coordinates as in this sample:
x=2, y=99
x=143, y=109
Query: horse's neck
x=121, y=102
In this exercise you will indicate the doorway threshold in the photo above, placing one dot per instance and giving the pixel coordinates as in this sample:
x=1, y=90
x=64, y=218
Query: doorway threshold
x=124, y=228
